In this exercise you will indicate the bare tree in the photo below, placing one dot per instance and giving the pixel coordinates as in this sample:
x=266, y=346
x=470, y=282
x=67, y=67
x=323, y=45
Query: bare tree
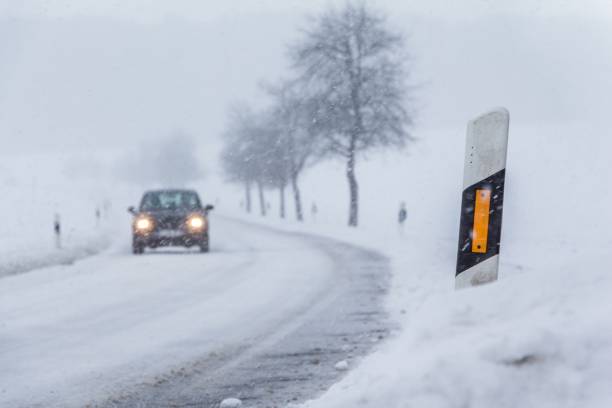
x=239, y=155
x=273, y=157
x=356, y=67
x=278, y=169
x=294, y=115
x=235, y=171
x=255, y=154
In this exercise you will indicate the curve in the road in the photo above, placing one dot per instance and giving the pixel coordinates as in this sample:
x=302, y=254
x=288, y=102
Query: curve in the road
x=264, y=317
x=296, y=361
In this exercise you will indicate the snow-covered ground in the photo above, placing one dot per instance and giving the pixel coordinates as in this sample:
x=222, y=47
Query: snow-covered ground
x=35, y=189
x=173, y=325
x=541, y=335
x=117, y=319
x=538, y=337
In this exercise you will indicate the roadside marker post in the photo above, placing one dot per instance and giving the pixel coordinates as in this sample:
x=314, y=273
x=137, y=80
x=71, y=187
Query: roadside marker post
x=482, y=199
x=57, y=230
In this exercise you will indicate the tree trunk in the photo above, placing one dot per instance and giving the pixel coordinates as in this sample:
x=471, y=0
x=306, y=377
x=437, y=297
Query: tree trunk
x=247, y=192
x=262, y=201
x=297, y=197
x=282, y=201
x=353, y=190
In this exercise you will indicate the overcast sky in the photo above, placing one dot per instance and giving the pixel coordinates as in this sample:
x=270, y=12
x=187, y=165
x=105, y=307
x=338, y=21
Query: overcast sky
x=88, y=73
x=149, y=10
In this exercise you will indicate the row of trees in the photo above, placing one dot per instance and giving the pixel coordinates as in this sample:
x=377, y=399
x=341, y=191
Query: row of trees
x=347, y=94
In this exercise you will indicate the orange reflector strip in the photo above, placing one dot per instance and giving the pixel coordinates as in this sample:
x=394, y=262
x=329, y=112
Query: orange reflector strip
x=480, y=232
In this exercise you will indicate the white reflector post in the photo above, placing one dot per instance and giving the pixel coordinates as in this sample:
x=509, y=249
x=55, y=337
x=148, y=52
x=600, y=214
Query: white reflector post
x=482, y=200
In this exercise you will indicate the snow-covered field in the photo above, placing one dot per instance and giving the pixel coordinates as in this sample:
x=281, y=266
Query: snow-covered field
x=35, y=189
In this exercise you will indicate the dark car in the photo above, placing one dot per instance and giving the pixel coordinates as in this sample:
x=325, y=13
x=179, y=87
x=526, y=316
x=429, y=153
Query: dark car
x=170, y=218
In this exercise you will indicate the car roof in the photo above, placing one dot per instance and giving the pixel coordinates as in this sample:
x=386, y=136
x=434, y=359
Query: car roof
x=171, y=190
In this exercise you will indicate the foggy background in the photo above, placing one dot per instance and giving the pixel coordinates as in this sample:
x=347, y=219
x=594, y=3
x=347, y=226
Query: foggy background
x=94, y=91
x=78, y=74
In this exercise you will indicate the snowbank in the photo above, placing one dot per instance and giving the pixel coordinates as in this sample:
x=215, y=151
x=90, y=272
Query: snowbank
x=538, y=337
x=17, y=259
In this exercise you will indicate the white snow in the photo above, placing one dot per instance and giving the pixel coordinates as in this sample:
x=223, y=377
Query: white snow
x=341, y=365
x=231, y=403
x=540, y=336
x=34, y=189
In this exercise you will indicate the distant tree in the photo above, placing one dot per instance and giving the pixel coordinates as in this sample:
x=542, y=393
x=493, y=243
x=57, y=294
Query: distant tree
x=355, y=66
x=272, y=157
x=295, y=117
x=275, y=159
x=252, y=155
x=239, y=157
x=231, y=159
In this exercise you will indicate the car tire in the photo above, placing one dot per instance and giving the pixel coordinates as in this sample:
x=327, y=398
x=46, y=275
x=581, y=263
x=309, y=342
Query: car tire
x=204, y=244
x=137, y=248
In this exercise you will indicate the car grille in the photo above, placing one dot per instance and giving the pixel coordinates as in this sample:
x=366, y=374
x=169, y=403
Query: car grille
x=169, y=222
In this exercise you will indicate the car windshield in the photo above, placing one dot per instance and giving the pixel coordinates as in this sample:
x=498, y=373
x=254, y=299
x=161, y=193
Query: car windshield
x=170, y=200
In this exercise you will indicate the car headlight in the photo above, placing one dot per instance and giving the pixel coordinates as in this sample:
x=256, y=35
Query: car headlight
x=196, y=222
x=143, y=224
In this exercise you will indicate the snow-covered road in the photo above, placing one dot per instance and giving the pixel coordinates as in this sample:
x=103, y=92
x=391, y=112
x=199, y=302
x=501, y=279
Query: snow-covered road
x=263, y=317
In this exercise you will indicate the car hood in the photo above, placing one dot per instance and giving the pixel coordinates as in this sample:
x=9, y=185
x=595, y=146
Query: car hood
x=172, y=213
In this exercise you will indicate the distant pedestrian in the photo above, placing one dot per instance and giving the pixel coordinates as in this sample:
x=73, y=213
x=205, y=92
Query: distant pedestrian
x=313, y=211
x=98, y=215
x=57, y=230
x=401, y=217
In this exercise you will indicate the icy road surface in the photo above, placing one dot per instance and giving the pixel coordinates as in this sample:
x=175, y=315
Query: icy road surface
x=264, y=317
